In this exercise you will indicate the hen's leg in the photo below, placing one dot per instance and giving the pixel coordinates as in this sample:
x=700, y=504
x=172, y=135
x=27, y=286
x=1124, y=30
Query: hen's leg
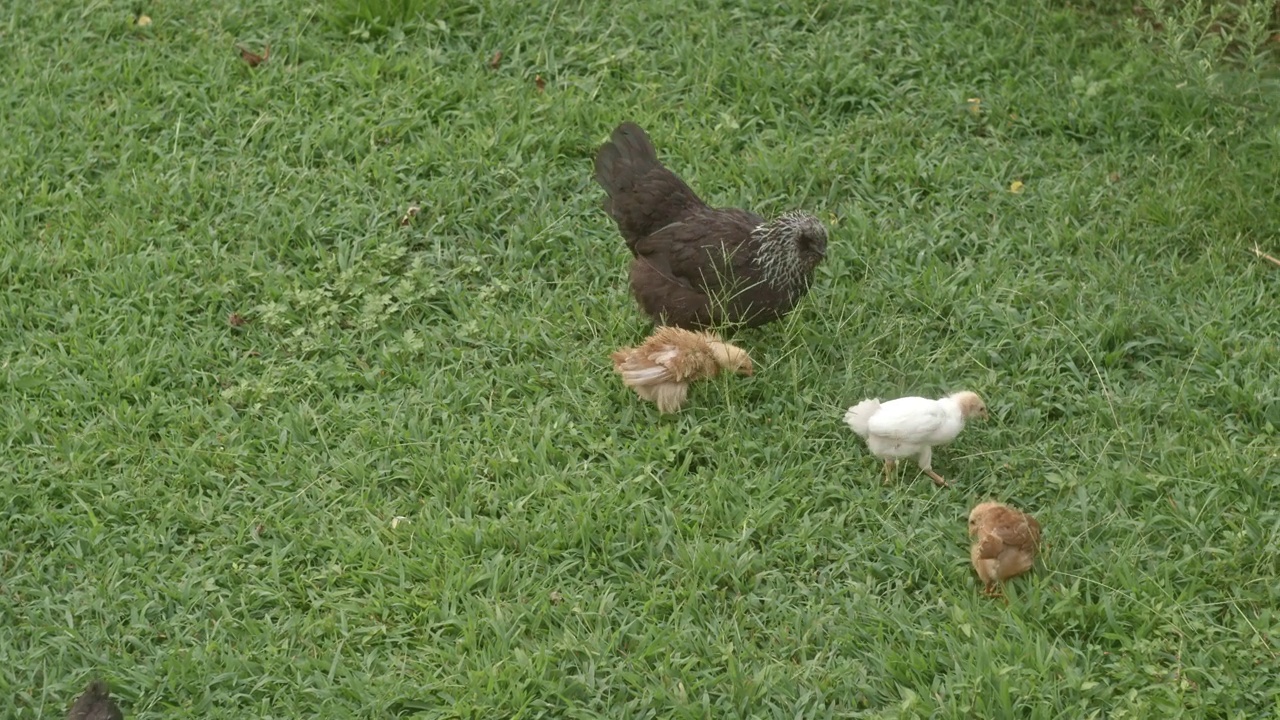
x=925, y=460
x=888, y=470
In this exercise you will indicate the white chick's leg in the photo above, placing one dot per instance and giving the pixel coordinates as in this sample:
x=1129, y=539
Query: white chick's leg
x=888, y=470
x=925, y=459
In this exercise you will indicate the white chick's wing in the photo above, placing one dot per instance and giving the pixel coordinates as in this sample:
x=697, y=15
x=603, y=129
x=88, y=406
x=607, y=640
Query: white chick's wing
x=910, y=418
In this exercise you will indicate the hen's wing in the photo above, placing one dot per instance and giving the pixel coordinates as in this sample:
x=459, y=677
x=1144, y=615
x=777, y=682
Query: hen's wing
x=912, y=419
x=700, y=250
x=644, y=196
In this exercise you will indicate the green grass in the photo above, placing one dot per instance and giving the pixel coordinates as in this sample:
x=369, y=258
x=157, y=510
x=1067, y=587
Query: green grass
x=203, y=511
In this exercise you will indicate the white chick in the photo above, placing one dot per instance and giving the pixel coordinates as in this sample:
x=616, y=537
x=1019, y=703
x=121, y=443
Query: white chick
x=912, y=426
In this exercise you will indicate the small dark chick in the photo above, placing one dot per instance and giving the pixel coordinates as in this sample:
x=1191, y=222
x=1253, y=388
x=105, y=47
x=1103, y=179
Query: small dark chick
x=694, y=266
x=95, y=704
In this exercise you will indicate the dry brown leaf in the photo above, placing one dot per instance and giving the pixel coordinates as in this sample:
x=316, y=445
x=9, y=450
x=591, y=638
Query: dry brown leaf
x=409, y=215
x=1258, y=251
x=252, y=58
x=236, y=320
x=496, y=61
x=539, y=83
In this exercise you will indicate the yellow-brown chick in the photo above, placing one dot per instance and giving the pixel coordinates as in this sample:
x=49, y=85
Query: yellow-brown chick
x=661, y=369
x=1005, y=543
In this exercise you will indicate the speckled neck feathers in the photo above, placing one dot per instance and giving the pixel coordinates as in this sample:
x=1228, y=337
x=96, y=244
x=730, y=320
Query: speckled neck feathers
x=778, y=254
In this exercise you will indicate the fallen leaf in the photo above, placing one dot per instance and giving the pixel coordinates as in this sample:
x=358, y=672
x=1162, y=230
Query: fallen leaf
x=556, y=597
x=975, y=105
x=143, y=21
x=1114, y=177
x=236, y=320
x=539, y=83
x=254, y=59
x=399, y=520
x=1016, y=187
x=1258, y=251
x=496, y=61
x=258, y=530
x=409, y=215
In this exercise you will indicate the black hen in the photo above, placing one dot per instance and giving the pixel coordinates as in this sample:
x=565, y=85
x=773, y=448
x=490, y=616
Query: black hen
x=95, y=704
x=696, y=266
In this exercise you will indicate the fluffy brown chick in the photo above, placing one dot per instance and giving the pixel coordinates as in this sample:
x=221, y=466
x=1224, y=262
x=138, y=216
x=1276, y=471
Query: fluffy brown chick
x=1005, y=543
x=661, y=369
x=95, y=704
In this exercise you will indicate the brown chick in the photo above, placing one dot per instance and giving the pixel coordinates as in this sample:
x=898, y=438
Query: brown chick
x=95, y=704
x=661, y=369
x=1005, y=543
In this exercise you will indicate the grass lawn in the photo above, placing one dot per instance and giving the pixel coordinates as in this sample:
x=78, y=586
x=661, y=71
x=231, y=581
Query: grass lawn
x=267, y=453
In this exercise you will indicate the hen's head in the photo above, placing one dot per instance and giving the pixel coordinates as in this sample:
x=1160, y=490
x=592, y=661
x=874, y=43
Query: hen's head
x=731, y=357
x=790, y=246
x=970, y=405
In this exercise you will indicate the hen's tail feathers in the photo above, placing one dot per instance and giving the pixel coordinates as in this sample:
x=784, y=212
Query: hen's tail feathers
x=644, y=196
x=628, y=156
x=95, y=704
x=859, y=415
